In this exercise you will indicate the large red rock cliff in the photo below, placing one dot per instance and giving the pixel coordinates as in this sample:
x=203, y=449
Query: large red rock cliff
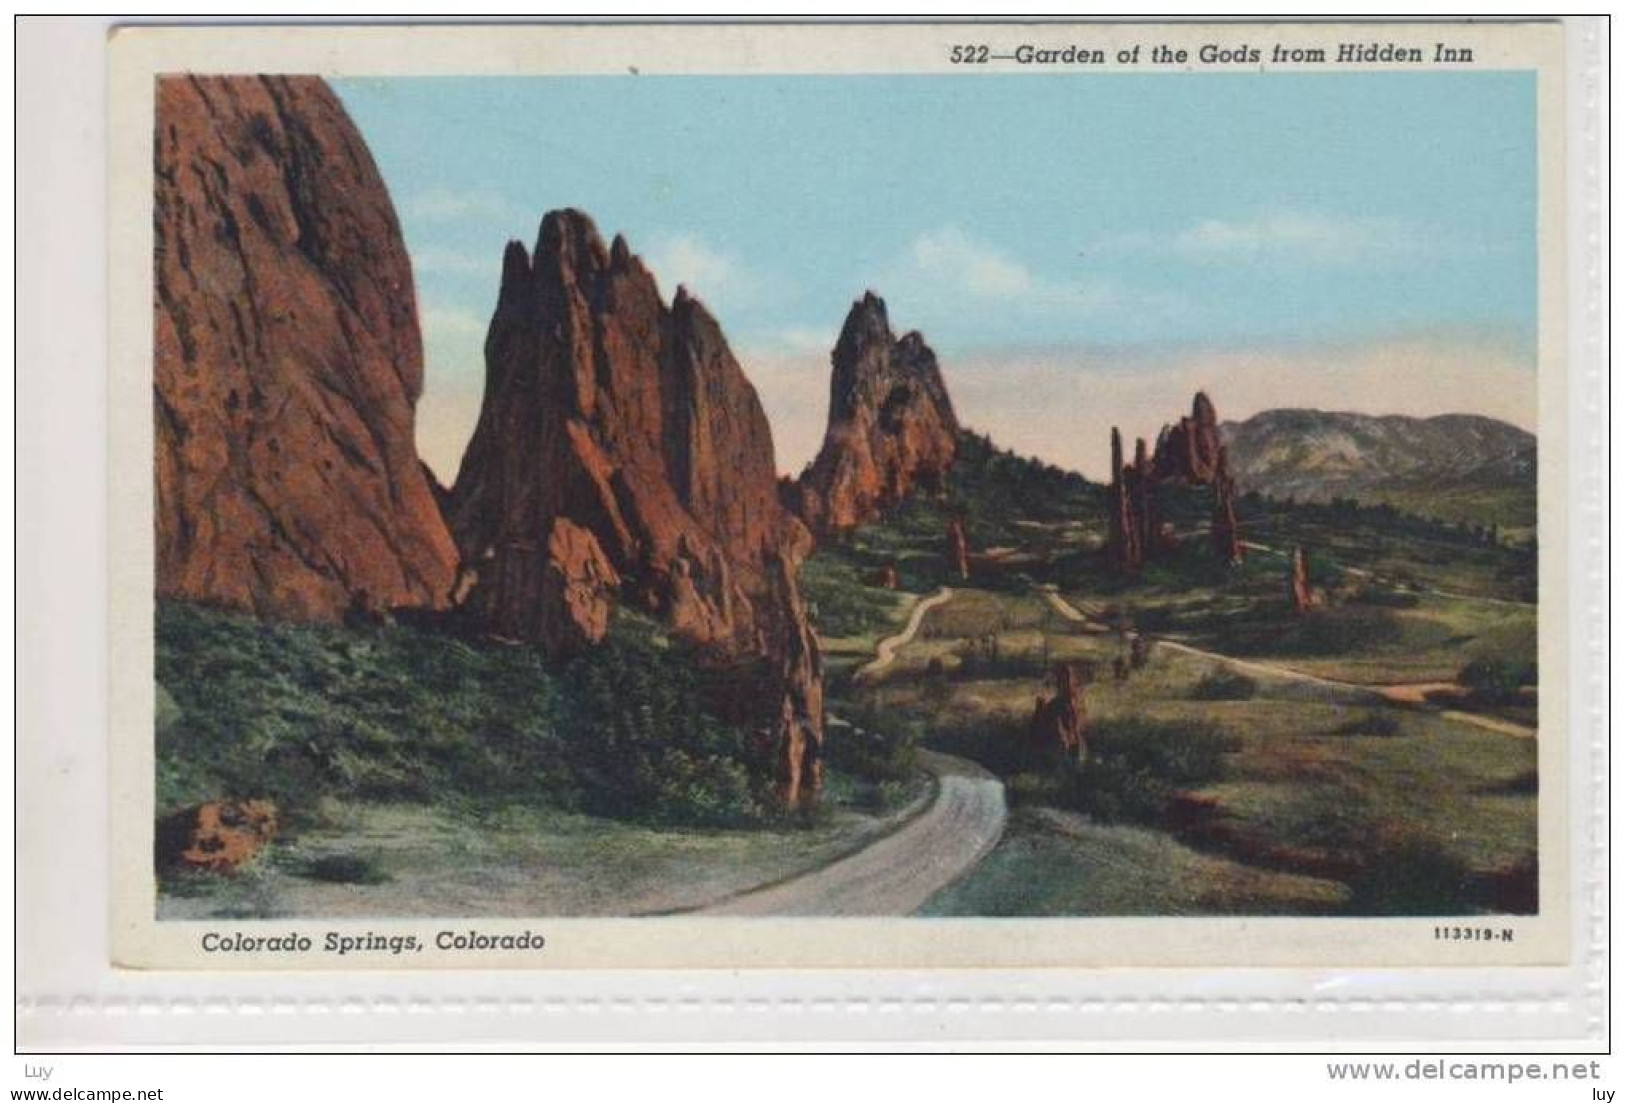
x=891, y=425
x=287, y=361
x=629, y=428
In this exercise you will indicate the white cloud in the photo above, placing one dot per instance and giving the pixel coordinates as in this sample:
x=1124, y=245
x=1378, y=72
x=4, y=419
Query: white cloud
x=1285, y=235
x=688, y=260
x=720, y=279
x=952, y=263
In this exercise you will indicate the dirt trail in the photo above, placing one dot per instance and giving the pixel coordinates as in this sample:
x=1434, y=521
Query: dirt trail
x=1402, y=694
x=886, y=650
x=900, y=872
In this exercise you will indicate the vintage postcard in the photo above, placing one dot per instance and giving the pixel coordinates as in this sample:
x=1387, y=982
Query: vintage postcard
x=906, y=496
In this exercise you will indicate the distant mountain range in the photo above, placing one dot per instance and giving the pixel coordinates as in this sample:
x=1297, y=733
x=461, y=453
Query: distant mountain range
x=1453, y=466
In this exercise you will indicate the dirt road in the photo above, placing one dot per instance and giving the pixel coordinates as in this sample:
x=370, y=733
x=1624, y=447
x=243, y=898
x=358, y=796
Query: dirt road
x=886, y=650
x=900, y=872
x=1323, y=688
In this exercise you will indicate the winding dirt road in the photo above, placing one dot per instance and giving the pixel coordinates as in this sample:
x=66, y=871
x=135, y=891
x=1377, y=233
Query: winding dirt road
x=1323, y=688
x=886, y=650
x=900, y=872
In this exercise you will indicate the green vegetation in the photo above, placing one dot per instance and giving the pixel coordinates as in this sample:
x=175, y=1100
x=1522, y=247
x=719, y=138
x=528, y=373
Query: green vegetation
x=1372, y=722
x=345, y=869
x=1497, y=681
x=418, y=774
x=305, y=713
x=1222, y=684
x=1400, y=550
x=1241, y=794
x=843, y=600
x=1025, y=521
x=1136, y=767
x=998, y=491
x=421, y=774
x=874, y=746
x=1415, y=876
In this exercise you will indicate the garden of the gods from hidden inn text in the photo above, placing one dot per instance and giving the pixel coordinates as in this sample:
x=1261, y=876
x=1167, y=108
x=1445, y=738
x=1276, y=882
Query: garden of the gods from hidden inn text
x=1101, y=496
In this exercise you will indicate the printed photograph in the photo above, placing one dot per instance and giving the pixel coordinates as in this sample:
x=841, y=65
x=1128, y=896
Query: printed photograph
x=1101, y=495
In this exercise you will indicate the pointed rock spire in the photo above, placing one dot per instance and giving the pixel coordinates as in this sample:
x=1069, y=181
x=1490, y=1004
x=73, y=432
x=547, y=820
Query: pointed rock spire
x=622, y=454
x=891, y=425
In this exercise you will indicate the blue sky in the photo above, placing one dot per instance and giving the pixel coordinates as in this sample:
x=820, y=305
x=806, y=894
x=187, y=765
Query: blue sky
x=1057, y=238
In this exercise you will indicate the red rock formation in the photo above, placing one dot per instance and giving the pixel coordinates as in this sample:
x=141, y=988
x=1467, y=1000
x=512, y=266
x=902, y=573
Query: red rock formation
x=1304, y=597
x=287, y=361
x=633, y=425
x=559, y=591
x=797, y=685
x=1121, y=526
x=1142, y=485
x=219, y=836
x=1189, y=453
x=1225, y=530
x=1059, y=724
x=1130, y=527
x=891, y=425
x=958, y=549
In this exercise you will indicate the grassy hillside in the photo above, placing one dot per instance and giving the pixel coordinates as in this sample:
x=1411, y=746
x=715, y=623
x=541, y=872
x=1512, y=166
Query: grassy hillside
x=1207, y=791
x=1021, y=515
x=1210, y=789
x=420, y=774
x=298, y=713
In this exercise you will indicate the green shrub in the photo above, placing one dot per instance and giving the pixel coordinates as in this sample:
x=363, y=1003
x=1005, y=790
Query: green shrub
x=1496, y=681
x=1028, y=788
x=1385, y=599
x=344, y=869
x=1373, y=722
x=877, y=746
x=1221, y=684
x=1344, y=631
x=1414, y=876
x=642, y=745
x=297, y=713
x=1135, y=767
x=841, y=601
x=986, y=659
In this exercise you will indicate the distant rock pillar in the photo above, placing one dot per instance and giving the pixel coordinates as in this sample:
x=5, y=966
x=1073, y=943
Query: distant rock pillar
x=1226, y=529
x=959, y=549
x=1144, y=504
x=1303, y=594
x=1126, y=530
x=1059, y=723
